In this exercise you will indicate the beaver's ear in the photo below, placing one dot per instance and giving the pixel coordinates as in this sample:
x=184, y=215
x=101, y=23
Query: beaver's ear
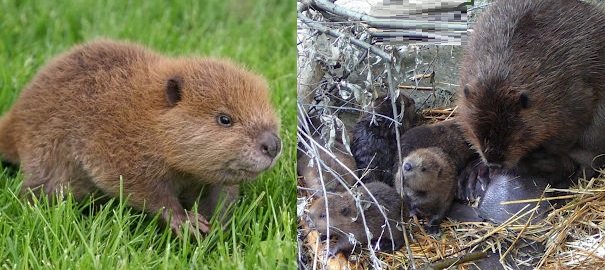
x=174, y=85
x=524, y=100
x=466, y=91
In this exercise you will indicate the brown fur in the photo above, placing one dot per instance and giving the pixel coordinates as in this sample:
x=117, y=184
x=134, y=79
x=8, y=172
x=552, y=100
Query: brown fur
x=445, y=135
x=331, y=174
x=429, y=184
x=345, y=218
x=533, y=79
x=106, y=110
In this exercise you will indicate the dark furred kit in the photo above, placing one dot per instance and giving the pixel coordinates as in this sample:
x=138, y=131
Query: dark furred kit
x=374, y=142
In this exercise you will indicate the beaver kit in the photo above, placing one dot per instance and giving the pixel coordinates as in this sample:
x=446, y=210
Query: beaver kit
x=376, y=220
x=170, y=132
x=429, y=185
x=374, y=142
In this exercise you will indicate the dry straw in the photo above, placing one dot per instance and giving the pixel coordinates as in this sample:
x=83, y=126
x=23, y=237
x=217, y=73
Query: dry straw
x=572, y=235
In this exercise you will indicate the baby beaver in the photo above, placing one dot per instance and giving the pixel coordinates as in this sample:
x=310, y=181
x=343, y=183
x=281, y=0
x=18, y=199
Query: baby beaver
x=345, y=219
x=374, y=143
x=429, y=185
x=110, y=117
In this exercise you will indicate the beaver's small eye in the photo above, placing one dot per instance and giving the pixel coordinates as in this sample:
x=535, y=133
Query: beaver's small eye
x=224, y=120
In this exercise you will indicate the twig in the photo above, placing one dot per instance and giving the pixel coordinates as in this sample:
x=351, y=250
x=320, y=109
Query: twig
x=438, y=111
x=348, y=72
x=387, y=23
x=312, y=144
x=305, y=128
x=499, y=228
x=373, y=49
x=439, y=114
x=456, y=261
x=422, y=88
x=479, y=7
x=438, y=118
x=399, y=156
x=409, y=34
x=451, y=113
x=360, y=110
x=303, y=5
x=527, y=223
x=539, y=199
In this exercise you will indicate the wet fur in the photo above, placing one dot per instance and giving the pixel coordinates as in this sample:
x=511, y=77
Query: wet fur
x=103, y=111
x=533, y=79
x=374, y=143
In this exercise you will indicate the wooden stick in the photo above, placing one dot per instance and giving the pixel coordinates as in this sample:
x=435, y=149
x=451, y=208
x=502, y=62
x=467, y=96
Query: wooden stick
x=439, y=111
x=441, y=117
x=446, y=263
x=421, y=88
x=361, y=44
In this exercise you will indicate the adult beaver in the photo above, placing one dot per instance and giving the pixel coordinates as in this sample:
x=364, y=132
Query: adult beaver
x=533, y=79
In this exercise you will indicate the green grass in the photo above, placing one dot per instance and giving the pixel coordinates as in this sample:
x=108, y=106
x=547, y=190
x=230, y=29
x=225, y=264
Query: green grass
x=63, y=235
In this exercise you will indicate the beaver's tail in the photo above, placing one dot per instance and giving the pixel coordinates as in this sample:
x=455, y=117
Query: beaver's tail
x=8, y=146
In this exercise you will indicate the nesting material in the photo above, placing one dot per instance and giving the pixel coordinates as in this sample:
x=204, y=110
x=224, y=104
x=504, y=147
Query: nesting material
x=433, y=115
x=571, y=236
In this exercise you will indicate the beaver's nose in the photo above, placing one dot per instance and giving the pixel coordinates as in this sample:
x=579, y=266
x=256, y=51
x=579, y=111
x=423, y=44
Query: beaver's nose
x=270, y=144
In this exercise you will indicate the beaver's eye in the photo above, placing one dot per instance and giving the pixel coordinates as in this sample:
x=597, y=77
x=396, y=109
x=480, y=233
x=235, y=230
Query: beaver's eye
x=224, y=120
x=345, y=211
